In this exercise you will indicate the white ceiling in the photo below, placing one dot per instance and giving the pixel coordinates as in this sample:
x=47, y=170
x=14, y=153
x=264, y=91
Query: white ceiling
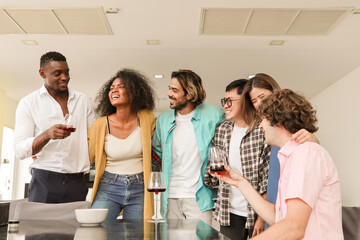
x=307, y=64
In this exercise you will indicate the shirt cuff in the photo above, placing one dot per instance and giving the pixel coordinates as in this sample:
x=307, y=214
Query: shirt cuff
x=24, y=149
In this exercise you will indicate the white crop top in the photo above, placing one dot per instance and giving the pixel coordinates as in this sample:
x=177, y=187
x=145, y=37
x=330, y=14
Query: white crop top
x=124, y=156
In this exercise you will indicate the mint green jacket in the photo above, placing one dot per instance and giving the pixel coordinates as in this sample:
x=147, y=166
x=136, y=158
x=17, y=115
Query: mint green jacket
x=205, y=119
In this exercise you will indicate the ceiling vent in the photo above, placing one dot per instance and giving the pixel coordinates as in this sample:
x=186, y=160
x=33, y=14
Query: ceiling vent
x=265, y=22
x=91, y=21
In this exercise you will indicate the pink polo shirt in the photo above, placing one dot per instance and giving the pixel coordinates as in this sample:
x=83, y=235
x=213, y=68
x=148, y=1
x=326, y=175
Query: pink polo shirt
x=308, y=173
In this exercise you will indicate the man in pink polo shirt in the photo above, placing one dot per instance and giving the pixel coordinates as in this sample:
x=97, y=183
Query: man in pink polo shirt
x=308, y=205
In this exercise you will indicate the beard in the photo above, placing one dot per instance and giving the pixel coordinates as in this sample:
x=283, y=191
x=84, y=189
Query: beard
x=179, y=105
x=63, y=89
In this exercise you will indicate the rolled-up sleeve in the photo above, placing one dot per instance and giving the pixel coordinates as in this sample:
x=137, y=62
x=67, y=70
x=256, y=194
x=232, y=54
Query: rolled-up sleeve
x=24, y=132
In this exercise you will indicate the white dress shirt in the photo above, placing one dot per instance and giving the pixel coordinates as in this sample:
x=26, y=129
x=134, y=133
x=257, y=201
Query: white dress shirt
x=38, y=112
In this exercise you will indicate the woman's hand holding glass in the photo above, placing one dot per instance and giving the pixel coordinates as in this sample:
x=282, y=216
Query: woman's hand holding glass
x=228, y=176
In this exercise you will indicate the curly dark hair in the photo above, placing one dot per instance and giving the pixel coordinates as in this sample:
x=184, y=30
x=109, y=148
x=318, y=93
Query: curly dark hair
x=140, y=91
x=289, y=109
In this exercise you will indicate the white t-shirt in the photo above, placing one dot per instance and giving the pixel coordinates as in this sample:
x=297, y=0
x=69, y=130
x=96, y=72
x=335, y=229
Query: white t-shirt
x=186, y=161
x=238, y=203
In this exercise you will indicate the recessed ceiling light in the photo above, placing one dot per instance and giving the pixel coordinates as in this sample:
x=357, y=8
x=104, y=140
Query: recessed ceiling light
x=276, y=42
x=356, y=11
x=153, y=42
x=158, y=76
x=111, y=10
x=251, y=76
x=30, y=42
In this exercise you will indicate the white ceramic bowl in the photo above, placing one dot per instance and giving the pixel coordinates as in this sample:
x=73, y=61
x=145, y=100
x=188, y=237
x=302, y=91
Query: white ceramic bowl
x=91, y=216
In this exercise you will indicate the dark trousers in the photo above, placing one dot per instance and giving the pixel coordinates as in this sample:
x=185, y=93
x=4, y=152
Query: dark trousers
x=237, y=229
x=53, y=187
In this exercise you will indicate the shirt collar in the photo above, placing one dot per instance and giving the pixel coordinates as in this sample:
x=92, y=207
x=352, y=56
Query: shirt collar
x=288, y=148
x=196, y=115
x=43, y=90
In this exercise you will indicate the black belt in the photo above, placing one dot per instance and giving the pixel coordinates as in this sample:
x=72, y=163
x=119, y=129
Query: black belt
x=57, y=174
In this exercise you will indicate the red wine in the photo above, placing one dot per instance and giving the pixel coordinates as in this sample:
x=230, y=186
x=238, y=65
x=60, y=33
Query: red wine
x=217, y=168
x=70, y=129
x=156, y=190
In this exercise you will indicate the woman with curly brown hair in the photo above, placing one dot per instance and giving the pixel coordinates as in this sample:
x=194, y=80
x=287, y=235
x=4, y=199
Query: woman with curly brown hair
x=120, y=145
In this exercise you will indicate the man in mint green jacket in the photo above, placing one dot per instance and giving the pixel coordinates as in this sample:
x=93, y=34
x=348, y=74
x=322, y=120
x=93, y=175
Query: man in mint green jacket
x=181, y=140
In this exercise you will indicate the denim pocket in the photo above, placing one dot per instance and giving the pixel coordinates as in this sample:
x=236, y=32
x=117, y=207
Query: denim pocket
x=106, y=180
x=141, y=179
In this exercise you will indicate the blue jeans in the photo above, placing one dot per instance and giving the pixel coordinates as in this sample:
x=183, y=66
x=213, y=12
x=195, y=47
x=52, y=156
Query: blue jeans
x=121, y=192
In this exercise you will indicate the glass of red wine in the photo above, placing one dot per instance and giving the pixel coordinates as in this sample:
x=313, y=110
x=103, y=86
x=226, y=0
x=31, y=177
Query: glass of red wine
x=217, y=162
x=70, y=121
x=156, y=185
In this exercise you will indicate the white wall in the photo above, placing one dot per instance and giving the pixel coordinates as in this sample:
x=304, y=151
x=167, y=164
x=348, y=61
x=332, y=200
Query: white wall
x=22, y=176
x=21, y=167
x=7, y=112
x=7, y=118
x=338, y=113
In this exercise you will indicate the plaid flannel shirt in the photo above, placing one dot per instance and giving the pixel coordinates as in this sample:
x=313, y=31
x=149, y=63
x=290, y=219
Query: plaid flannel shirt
x=255, y=155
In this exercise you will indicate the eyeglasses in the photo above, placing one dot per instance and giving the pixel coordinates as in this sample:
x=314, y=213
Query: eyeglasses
x=228, y=101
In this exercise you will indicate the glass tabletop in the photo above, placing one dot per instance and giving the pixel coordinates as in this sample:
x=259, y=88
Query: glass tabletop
x=63, y=230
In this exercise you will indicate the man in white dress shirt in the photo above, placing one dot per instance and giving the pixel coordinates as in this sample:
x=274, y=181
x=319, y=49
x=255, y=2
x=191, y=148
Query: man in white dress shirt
x=60, y=156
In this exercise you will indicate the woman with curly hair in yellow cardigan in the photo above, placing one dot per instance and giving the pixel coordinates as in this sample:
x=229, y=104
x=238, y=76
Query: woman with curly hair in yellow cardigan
x=120, y=145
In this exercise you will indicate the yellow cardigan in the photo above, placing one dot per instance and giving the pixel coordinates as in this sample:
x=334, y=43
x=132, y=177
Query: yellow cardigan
x=96, y=141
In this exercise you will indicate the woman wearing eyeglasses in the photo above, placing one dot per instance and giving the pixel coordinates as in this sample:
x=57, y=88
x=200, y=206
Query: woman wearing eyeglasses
x=246, y=151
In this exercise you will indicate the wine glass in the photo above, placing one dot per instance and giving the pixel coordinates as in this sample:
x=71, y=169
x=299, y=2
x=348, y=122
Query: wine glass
x=217, y=162
x=217, y=159
x=70, y=120
x=156, y=185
